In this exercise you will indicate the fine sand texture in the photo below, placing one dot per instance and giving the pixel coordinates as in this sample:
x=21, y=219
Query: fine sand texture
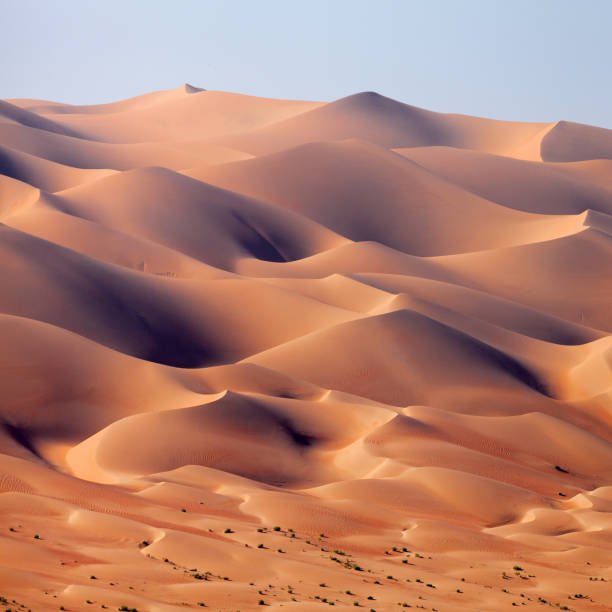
x=262, y=353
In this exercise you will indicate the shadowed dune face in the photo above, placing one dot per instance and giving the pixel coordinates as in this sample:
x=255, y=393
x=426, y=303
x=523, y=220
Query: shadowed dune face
x=303, y=353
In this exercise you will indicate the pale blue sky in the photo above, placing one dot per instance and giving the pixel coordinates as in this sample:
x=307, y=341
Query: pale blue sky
x=537, y=60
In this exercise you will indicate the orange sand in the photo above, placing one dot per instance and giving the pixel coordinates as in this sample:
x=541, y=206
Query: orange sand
x=352, y=353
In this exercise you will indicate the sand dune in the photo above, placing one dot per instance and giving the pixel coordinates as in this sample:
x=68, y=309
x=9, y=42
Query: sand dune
x=179, y=115
x=15, y=195
x=568, y=142
x=597, y=171
x=339, y=185
x=223, y=225
x=522, y=185
x=561, y=277
x=9, y=113
x=92, y=154
x=47, y=175
x=280, y=353
x=150, y=316
x=386, y=122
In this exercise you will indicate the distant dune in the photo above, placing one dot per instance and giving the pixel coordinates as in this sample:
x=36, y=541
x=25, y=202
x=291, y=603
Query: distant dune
x=280, y=353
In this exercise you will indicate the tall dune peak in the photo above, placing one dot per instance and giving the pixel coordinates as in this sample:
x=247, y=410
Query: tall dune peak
x=191, y=89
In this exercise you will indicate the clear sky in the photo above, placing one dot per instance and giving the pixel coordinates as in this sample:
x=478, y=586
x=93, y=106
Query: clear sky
x=538, y=60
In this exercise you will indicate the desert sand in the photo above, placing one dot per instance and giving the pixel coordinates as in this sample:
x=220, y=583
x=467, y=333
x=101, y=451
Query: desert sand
x=292, y=354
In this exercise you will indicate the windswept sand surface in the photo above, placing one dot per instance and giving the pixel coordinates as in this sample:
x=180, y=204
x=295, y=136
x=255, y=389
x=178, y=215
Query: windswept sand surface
x=297, y=354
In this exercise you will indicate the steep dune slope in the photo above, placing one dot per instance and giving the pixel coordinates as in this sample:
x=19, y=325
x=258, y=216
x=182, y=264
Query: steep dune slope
x=567, y=277
x=282, y=441
x=482, y=306
x=279, y=353
x=53, y=401
x=522, y=185
x=567, y=142
x=81, y=153
x=369, y=194
x=596, y=171
x=9, y=113
x=169, y=321
x=15, y=196
x=223, y=226
x=386, y=122
x=391, y=124
x=42, y=173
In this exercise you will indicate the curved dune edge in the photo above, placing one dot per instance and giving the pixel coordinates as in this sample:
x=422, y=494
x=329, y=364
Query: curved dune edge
x=303, y=353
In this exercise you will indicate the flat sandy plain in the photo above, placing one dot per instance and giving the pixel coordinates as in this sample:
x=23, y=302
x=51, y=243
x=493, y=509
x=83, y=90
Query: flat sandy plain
x=277, y=353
